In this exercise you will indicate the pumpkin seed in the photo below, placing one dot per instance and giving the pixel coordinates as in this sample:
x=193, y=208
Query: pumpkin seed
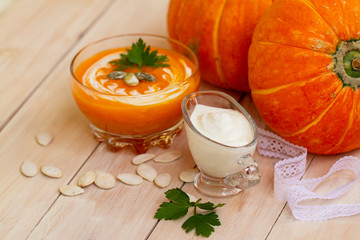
x=146, y=171
x=104, y=180
x=168, y=156
x=163, y=180
x=51, y=171
x=28, y=169
x=131, y=80
x=145, y=76
x=86, y=179
x=71, y=190
x=188, y=175
x=130, y=179
x=141, y=158
x=43, y=138
x=116, y=75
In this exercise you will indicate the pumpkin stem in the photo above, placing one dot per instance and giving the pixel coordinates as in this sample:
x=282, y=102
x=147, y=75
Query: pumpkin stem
x=355, y=64
x=347, y=63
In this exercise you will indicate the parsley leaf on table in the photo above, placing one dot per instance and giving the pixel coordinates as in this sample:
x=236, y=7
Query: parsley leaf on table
x=209, y=205
x=203, y=224
x=177, y=195
x=178, y=207
x=171, y=210
x=139, y=55
x=175, y=209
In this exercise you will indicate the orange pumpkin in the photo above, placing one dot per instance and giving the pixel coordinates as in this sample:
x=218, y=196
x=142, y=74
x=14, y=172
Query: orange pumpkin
x=304, y=72
x=219, y=32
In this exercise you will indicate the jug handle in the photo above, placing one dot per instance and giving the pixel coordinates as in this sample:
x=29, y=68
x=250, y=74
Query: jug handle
x=249, y=175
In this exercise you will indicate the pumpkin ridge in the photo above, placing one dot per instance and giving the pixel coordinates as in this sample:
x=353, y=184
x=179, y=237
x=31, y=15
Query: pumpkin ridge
x=282, y=44
x=318, y=118
x=180, y=12
x=216, y=45
x=172, y=18
x=275, y=89
x=320, y=40
x=313, y=8
x=347, y=129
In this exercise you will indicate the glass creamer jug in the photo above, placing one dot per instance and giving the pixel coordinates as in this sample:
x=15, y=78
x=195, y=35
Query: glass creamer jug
x=225, y=168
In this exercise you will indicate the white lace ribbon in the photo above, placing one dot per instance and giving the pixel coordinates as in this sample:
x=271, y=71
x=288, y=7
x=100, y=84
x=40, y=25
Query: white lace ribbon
x=288, y=185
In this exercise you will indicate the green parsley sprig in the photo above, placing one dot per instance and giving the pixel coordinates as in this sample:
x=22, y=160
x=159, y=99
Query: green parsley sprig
x=178, y=207
x=139, y=55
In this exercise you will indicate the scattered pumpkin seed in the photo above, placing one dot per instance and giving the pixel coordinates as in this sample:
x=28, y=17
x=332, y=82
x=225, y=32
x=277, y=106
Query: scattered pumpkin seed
x=43, y=138
x=141, y=158
x=51, y=171
x=104, y=180
x=130, y=179
x=146, y=171
x=28, y=169
x=131, y=80
x=145, y=76
x=163, y=180
x=116, y=75
x=86, y=179
x=168, y=156
x=188, y=175
x=71, y=190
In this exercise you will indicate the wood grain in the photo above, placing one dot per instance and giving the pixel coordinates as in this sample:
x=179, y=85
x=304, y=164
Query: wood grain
x=37, y=43
x=35, y=36
x=125, y=211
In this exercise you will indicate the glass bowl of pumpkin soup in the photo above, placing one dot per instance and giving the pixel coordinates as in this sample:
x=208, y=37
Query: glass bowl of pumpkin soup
x=130, y=88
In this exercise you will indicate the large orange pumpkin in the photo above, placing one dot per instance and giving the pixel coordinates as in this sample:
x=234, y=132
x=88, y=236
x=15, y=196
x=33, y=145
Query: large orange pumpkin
x=219, y=32
x=304, y=72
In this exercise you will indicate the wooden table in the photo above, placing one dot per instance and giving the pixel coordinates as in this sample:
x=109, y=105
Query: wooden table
x=38, y=39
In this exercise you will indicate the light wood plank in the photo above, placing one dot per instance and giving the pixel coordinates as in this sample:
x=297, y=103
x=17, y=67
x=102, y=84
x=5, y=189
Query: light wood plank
x=123, y=212
x=32, y=206
x=52, y=108
x=5, y=4
x=35, y=35
x=25, y=200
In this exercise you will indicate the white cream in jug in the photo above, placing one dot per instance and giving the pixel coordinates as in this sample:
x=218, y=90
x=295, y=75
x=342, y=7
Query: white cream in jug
x=225, y=126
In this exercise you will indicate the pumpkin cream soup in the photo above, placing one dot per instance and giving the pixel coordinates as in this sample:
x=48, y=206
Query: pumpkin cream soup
x=133, y=98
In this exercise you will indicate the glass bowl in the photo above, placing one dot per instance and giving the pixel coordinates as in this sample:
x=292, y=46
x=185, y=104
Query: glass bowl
x=133, y=119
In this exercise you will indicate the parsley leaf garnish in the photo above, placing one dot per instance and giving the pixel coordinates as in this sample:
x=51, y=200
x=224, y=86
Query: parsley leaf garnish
x=178, y=207
x=139, y=55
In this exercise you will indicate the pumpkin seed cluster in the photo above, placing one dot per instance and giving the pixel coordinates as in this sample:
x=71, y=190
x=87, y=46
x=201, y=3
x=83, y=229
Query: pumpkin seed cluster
x=131, y=79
